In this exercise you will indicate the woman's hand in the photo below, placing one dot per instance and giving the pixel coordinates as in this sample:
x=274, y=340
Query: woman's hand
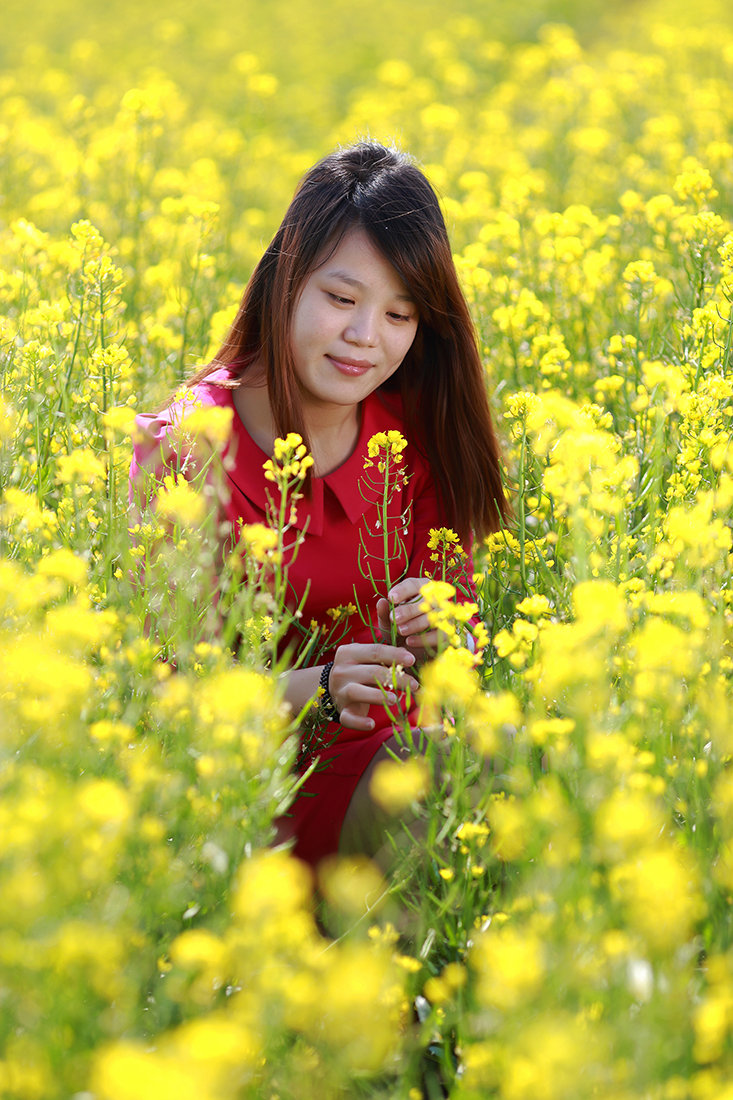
x=365, y=674
x=403, y=608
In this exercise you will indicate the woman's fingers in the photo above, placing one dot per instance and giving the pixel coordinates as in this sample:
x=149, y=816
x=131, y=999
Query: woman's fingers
x=409, y=619
x=376, y=678
x=407, y=589
x=353, y=721
x=426, y=639
x=367, y=674
x=355, y=713
x=383, y=613
x=372, y=653
x=406, y=606
x=357, y=699
x=412, y=625
x=362, y=693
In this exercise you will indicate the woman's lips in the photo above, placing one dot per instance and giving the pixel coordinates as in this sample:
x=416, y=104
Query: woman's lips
x=353, y=367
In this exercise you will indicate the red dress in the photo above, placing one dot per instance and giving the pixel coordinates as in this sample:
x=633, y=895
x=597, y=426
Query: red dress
x=340, y=525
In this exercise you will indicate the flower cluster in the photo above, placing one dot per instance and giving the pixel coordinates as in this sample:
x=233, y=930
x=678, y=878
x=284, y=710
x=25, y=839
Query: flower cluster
x=382, y=557
x=448, y=615
x=446, y=551
x=290, y=461
x=385, y=447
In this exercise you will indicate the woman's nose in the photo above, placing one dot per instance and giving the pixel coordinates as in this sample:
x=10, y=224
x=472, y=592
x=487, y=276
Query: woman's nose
x=362, y=330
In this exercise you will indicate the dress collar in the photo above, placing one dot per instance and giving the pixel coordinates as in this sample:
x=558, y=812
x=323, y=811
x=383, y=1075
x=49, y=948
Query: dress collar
x=248, y=459
x=344, y=480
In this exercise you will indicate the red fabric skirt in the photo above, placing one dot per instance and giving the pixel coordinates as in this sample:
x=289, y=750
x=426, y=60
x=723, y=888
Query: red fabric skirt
x=315, y=819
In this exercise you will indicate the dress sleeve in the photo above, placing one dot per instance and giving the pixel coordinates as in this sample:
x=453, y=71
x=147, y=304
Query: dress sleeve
x=153, y=456
x=163, y=446
x=167, y=445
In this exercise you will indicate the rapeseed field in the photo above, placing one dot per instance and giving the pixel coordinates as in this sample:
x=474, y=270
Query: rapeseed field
x=565, y=929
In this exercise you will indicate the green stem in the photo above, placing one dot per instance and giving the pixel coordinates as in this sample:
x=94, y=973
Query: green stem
x=65, y=387
x=522, y=516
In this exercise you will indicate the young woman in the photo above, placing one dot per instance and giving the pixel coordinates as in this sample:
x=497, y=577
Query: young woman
x=354, y=323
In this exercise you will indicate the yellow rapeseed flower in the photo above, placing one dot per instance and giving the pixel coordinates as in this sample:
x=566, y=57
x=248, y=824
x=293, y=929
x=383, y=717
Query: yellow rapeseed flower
x=448, y=681
x=290, y=461
x=534, y=607
x=65, y=565
x=180, y=502
x=352, y=884
x=509, y=966
x=396, y=784
x=259, y=541
x=8, y=421
x=444, y=612
x=82, y=468
x=694, y=183
x=659, y=888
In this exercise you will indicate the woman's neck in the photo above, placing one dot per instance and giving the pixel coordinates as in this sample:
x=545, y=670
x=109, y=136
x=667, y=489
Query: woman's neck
x=332, y=430
x=332, y=434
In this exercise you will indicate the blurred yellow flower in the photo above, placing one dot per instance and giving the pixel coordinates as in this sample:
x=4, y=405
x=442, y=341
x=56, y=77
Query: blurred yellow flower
x=270, y=884
x=259, y=541
x=119, y=421
x=625, y=822
x=509, y=965
x=128, y=1071
x=449, y=680
x=214, y=424
x=396, y=784
x=352, y=884
x=82, y=468
x=197, y=947
x=65, y=565
x=180, y=502
x=105, y=802
x=510, y=827
x=8, y=421
x=660, y=891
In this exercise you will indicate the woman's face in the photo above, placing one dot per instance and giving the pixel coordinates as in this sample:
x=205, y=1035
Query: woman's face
x=353, y=324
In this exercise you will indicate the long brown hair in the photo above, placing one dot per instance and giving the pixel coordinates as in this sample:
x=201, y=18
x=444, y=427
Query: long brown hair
x=441, y=379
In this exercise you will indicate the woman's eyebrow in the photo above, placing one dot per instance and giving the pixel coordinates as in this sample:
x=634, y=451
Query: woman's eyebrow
x=346, y=278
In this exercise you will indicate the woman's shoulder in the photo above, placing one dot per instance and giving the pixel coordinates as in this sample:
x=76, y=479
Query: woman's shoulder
x=213, y=390
x=158, y=431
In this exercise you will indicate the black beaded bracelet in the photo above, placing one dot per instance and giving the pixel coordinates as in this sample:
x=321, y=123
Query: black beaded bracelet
x=326, y=705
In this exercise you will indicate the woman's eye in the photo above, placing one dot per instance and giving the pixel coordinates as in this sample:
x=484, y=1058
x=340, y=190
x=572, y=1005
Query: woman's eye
x=338, y=298
x=400, y=316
